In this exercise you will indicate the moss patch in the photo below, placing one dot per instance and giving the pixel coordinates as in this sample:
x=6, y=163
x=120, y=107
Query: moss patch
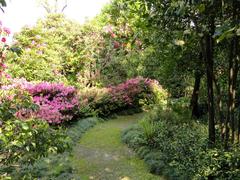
x=100, y=154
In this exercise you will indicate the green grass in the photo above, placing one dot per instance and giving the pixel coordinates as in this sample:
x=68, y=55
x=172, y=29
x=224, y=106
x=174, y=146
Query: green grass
x=100, y=154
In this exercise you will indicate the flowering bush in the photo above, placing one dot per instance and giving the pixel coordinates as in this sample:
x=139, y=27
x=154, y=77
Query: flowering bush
x=129, y=92
x=23, y=138
x=134, y=93
x=43, y=51
x=56, y=103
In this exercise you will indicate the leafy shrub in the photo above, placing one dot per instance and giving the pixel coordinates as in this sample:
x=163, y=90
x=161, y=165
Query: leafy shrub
x=55, y=166
x=88, y=97
x=133, y=136
x=134, y=93
x=24, y=142
x=171, y=147
x=219, y=163
x=13, y=100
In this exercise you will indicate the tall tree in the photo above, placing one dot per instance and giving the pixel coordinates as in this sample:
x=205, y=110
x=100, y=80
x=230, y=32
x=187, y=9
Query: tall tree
x=233, y=19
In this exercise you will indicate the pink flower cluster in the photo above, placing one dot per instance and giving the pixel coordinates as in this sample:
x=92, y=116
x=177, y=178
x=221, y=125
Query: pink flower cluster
x=57, y=102
x=128, y=93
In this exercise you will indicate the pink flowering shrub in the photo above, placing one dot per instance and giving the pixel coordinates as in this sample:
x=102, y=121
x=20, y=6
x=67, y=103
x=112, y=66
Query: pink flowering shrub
x=134, y=93
x=57, y=103
x=129, y=92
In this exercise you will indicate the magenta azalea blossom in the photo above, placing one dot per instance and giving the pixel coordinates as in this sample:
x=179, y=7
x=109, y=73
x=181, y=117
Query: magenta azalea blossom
x=57, y=103
x=3, y=39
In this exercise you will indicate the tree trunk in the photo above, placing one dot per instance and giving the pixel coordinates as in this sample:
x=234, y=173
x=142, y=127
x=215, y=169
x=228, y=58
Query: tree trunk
x=194, y=101
x=233, y=72
x=207, y=50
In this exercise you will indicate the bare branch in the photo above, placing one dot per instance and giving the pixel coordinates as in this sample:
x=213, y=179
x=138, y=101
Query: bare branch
x=64, y=7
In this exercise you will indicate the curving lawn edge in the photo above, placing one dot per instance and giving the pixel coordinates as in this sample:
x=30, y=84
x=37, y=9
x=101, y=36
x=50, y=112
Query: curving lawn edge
x=101, y=155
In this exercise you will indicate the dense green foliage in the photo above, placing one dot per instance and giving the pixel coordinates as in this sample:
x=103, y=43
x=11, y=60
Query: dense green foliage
x=29, y=140
x=57, y=49
x=177, y=147
x=42, y=52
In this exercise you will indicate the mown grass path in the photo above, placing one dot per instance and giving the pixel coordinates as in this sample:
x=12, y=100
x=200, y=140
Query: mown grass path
x=100, y=154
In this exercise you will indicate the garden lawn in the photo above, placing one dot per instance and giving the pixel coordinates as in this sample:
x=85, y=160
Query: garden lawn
x=101, y=155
